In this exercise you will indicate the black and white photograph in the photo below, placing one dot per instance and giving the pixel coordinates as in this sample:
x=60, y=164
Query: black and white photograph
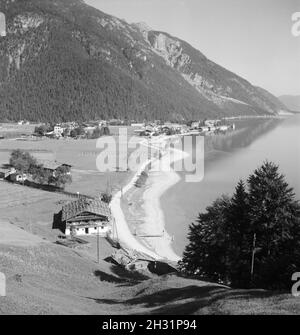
x=149, y=160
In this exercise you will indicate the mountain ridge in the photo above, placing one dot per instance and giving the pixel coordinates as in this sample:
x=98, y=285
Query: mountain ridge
x=64, y=60
x=291, y=101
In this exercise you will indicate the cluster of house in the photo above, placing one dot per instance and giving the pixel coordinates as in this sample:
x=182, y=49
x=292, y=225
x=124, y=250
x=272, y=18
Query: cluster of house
x=62, y=128
x=155, y=129
x=65, y=129
x=205, y=126
x=11, y=174
x=23, y=123
x=211, y=126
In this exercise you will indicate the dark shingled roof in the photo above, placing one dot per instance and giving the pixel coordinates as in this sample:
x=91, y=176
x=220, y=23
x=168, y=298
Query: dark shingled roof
x=94, y=206
x=51, y=165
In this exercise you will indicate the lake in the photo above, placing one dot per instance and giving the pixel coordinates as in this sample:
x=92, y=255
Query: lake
x=233, y=157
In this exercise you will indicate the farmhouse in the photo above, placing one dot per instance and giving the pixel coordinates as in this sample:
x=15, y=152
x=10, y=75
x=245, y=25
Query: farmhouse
x=58, y=130
x=53, y=166
x=86, y=217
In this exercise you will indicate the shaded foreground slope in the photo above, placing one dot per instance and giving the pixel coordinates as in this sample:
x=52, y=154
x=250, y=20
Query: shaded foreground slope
x=49, y=279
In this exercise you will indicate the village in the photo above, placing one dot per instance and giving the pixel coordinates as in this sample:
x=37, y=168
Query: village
x=96, y=129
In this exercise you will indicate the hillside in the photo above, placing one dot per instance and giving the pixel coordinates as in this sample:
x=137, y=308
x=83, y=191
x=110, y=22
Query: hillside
x=50, y=279
x=65, y=60
x=291, y=101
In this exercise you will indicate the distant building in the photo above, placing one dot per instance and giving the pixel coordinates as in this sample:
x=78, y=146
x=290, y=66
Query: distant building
x=6, y=172
x=23, y=122
x=89, y=128
x=223, y=128
x=103, y=123
x=58, y=130
x=86, y=217
x=18, y=177
x=52, y=166
x=195, y=125
x=204, y=129
x=211, y=123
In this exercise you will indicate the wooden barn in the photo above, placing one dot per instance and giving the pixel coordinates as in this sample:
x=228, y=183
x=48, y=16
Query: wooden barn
x=86, y=217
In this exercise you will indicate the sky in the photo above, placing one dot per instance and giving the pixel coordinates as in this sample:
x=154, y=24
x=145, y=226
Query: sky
x=251, y=38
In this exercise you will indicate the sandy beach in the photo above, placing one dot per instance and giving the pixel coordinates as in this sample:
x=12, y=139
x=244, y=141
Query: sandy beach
x=138, y=215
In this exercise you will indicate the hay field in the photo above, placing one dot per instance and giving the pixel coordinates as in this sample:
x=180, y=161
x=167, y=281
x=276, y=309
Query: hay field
x=30, y=209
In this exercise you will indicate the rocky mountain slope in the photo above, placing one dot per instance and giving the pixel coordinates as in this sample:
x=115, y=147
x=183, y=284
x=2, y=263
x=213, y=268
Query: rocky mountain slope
x=291, y=101
x=64, y=60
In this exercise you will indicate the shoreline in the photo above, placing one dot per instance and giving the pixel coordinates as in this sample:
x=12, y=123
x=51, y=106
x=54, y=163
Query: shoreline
x=147, y=232
x=161, y=179
x=141, y=209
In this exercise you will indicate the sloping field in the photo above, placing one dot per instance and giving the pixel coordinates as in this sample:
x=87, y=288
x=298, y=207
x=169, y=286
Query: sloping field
x=12, y=235
x=30, y=209
x=50, y=279
x=13, y=195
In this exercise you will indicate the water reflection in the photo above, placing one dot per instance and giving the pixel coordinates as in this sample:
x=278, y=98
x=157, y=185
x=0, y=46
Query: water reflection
x=231, y=157
x=246, y=132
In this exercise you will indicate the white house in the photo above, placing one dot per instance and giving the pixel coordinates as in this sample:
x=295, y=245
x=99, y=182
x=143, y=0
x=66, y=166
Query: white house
x=195, y=125
x=18, y=177
x=86, y=217
x=211, y=123
x=223, y=128
x=58, y=130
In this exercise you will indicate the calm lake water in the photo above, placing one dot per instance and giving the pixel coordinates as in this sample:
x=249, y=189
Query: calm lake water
x=238, y=155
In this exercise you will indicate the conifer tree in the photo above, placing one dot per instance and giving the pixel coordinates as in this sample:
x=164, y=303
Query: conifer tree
x=275, y=219
x=239, y=237
x=251, y=239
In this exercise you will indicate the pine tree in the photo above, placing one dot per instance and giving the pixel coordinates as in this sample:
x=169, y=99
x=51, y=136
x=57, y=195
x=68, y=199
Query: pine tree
x=239, y=237
x=274, y=215
x=206, y=253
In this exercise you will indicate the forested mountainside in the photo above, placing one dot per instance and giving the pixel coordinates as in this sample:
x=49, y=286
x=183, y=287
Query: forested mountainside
x=63, y=60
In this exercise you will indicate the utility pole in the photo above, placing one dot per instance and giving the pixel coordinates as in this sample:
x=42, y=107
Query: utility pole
x=253, y=256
